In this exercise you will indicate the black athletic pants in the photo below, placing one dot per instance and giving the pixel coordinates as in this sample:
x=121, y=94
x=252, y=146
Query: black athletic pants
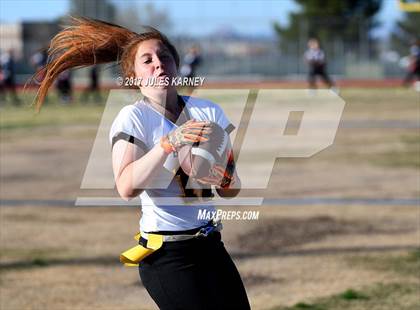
x=415, y=73
x=319, y=70
x=193, y=274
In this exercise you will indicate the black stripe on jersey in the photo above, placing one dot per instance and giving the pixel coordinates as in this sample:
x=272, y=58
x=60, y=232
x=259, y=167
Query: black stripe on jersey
x=229, y=128
x=126, y=137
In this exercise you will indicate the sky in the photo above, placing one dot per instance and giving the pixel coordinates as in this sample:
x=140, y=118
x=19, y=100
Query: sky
x=198, y=17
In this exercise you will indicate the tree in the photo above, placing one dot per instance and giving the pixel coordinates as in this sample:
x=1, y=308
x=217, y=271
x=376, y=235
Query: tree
x=405, y=31
x=128, y=17
x=134, y=17
x=330, y=20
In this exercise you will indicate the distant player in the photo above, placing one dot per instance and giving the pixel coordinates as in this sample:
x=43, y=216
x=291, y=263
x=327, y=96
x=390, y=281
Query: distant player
x=64, y=86
x=8, y=77
x=315, y=58
x=38, y=62
x=93, y=89
x=413, y=70
x=190, y=62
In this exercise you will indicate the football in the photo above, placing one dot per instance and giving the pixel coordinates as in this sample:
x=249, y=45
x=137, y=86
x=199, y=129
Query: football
x=196, y=160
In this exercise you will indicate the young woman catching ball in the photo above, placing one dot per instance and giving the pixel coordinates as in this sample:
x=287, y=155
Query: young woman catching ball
x=191, y=269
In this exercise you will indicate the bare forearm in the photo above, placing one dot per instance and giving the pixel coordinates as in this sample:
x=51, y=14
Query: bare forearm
x=138, y=174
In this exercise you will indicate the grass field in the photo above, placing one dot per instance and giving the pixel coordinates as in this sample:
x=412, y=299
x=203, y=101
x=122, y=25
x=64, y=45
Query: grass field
x=402, y=294
x=308, y=256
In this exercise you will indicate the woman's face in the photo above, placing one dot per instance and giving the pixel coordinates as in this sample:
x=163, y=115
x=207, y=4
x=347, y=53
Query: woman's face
x=154, y=63
x=313, y=44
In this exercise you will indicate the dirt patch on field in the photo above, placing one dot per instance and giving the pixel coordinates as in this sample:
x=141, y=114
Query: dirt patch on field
x=274, y=234
x=253, y=279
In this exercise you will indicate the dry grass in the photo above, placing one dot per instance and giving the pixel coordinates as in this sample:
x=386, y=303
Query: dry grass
x=67, y=258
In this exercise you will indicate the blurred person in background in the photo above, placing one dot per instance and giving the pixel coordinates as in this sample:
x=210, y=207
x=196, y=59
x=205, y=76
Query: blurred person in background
x=64, y=87
x=38, y=61
x=2, y=87
x=8, y=77
x=93, y=90
x=413, y=68
x=314, y=56
x=191, y=61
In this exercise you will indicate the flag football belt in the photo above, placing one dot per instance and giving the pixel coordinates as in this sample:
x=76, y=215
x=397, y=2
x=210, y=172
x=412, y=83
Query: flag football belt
x=154, y=241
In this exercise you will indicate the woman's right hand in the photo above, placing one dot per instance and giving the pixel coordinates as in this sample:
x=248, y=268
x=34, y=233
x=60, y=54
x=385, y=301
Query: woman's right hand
x=190, y=132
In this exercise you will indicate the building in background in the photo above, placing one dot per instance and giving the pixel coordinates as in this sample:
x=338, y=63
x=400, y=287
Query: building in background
x=227, y=53
x=11, y=38
x=37, y=35
x=25, y=39
x=99, y=9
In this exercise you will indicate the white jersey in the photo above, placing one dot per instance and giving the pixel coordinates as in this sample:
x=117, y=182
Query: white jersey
x=142, y=125
x=315, y=56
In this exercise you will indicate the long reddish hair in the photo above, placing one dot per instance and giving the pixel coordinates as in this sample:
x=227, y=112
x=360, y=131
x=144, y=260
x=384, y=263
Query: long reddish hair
x=89, y=42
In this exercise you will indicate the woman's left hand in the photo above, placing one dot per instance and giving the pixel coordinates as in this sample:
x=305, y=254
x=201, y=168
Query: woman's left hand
x=218, y=177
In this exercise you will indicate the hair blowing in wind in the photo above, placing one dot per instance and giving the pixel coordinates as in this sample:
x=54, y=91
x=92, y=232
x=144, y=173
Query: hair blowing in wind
x=89, y=42
x=86, y=42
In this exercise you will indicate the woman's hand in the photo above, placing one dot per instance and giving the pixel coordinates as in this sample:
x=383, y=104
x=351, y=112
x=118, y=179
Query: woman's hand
x=226, y=180
x=190, y=132
x=218, y=177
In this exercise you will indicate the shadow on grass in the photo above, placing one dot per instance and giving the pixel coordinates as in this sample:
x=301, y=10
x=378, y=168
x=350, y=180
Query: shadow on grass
x=37, y=262
x=323, y=251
